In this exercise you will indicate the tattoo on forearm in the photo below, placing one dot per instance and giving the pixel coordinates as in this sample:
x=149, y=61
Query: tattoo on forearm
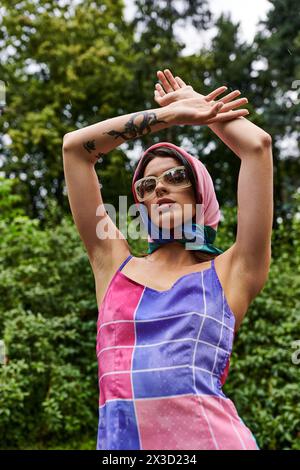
x=133, y=130
x=89, y=145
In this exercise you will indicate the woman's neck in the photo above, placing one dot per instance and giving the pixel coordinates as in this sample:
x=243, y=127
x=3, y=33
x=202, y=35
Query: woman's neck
x=175, y=255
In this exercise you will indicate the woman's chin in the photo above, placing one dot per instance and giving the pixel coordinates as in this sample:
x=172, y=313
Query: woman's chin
x=169, y=219
x=166, y=222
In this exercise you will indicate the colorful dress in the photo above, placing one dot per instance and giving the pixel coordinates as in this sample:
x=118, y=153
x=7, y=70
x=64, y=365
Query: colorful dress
x=163, y=357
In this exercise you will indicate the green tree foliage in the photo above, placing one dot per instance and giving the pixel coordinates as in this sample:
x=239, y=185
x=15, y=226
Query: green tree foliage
x=70, y=64
x=48, y=322
x=277, y=47
x=69, y=67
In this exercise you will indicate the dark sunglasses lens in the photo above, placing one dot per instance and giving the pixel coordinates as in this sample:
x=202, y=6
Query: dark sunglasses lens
x=146, y=187
x=176, y=177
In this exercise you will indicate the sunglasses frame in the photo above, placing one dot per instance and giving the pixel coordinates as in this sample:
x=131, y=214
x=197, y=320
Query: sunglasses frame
x=157, y=179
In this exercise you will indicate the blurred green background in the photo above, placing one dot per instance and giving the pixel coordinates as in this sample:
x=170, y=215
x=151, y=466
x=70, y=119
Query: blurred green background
x=70, y=64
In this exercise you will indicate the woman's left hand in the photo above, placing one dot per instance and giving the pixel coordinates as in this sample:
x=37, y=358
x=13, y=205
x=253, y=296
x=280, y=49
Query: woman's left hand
x=175, y=89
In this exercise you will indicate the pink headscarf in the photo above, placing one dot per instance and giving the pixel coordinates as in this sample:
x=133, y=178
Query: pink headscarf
x=205, y=186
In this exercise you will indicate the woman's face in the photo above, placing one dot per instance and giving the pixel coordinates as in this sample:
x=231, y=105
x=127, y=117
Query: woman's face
x=184, y=206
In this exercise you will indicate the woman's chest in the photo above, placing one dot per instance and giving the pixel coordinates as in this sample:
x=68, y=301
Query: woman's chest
x=151, y=277
x=160, y=282
x=160, y=279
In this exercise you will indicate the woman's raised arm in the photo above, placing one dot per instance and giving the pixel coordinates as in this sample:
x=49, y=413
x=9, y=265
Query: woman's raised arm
x=92, y=142
x=81, y=150
x=250, y=255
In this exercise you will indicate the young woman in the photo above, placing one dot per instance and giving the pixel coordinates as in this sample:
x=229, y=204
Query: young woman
x=167, y=320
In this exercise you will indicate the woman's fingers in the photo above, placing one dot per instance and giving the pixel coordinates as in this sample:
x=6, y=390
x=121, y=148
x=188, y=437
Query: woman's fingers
x=165, y=99
x=169, y=82
x=229, y=103
x=180, y=82
x=171, y=79
x=233, y=114
x=226, y=98
x=230, y=96
x=164, y=82
x=215, y=93
x=222, y=117
x=213, y=111
x=217, y=106
x=159, y=89
x=157, y=98
x=233, y=104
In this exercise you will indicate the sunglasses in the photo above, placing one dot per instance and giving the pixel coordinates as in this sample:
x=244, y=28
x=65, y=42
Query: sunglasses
x=174, y=177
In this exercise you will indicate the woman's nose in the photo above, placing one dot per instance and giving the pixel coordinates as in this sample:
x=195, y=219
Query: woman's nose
x=160, y=187
x=160, y=184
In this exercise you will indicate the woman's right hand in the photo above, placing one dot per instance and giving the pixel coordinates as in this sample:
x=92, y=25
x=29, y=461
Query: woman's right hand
x=175, y=89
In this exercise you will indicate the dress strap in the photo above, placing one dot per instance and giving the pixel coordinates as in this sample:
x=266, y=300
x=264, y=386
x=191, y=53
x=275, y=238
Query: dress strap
x=124, y=262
